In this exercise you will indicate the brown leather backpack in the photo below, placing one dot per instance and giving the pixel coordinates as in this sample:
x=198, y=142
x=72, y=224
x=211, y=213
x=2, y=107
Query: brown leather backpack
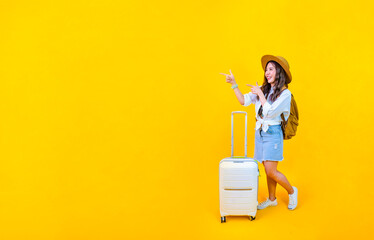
x=289, y=127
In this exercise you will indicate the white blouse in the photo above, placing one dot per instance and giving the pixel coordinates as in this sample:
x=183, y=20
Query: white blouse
x=271, y=110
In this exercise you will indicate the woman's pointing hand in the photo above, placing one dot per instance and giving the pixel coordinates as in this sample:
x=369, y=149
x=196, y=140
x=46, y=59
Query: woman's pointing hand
x=229, y=77
x=255, y=89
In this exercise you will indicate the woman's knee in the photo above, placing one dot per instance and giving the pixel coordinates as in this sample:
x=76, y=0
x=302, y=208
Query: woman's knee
x=271, y=172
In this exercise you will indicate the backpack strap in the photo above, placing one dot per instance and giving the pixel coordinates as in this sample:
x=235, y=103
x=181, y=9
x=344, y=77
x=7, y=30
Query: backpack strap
x=282, y=116
x=283, y=125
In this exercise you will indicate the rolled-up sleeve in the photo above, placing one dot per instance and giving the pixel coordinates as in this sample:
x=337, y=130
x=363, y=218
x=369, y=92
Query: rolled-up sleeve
x=279, y=106
x=249, y=98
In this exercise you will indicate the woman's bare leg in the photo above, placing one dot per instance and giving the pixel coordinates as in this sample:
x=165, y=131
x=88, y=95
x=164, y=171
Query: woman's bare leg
x=271, y=188
x=272, y=185
x=278, y=177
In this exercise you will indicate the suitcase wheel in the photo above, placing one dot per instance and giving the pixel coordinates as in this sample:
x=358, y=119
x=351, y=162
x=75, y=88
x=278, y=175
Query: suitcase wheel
x=223, y=219
x=252, y=218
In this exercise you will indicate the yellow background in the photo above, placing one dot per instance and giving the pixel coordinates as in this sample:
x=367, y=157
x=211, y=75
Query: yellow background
x=114, y=117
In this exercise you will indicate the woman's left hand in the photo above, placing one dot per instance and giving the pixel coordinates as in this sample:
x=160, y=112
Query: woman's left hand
x=256, y=89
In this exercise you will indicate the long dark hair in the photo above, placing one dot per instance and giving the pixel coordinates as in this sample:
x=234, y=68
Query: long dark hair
x=280, y=81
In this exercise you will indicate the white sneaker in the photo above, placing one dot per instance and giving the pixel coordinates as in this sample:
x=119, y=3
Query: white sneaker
x=292, y=199
x=267, y=203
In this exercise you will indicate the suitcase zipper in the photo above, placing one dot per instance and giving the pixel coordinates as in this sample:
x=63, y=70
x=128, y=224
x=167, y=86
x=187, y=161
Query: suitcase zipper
x=237, y=189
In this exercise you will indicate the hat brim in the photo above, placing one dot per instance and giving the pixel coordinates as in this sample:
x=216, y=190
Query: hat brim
x=266, y=58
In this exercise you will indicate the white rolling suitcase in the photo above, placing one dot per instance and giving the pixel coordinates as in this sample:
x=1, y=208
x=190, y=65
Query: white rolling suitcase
x=238, y=181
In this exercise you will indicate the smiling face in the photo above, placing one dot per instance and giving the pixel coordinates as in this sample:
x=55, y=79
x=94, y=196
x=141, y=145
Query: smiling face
x=270, y=73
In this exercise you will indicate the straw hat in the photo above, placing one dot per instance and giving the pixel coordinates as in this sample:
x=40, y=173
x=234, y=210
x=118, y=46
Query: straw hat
x=283, y=62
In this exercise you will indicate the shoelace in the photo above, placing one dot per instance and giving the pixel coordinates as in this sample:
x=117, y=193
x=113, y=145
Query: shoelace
x=265, y=202
x=291, y=199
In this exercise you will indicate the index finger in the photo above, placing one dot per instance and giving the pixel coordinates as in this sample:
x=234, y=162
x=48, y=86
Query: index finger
x=224, y=74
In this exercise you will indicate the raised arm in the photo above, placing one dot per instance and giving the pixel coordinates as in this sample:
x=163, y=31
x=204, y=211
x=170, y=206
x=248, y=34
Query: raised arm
x=231, y=80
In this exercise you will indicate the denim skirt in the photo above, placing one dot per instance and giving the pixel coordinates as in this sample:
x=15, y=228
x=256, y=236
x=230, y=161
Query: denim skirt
x=269, y=144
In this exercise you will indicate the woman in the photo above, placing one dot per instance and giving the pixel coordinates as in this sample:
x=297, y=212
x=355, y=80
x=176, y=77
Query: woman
x=271, y=100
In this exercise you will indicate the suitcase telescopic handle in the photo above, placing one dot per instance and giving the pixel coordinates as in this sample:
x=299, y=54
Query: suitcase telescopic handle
x=232, y=132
